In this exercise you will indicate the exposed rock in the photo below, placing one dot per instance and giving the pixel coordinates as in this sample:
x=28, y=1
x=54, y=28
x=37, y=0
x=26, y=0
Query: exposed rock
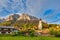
x=13, y=17
x=27, y=17
x=2, y=20
x=17, y=17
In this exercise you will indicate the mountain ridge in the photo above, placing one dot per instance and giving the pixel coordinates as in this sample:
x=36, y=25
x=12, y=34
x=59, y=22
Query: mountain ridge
x=18, y=17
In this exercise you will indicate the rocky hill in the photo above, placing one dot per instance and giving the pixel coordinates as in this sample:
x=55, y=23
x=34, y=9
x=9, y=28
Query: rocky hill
x=27, y=17
x=17, y=17
x=2, y=20
x=13, y=17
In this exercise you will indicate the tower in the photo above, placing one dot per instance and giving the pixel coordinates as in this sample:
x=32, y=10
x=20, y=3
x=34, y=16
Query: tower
x=40, y=25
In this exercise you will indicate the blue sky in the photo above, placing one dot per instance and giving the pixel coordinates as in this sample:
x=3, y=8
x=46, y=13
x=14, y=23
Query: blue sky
x=48, y=10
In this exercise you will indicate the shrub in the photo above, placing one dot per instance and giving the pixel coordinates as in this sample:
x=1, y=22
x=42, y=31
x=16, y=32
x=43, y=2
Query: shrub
x=13, y=33
x=55, y=33
x=31, y=32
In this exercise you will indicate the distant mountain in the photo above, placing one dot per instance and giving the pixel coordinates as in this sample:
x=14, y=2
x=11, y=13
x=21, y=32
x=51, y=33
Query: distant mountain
x=22, y=20
x=2, y=20
x=27, y=17
x=17, y=17
x=13, y=17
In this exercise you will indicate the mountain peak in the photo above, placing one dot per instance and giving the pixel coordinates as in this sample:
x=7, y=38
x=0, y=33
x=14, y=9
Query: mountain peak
x=26, y=17
x=13, y=17
x=23, y=16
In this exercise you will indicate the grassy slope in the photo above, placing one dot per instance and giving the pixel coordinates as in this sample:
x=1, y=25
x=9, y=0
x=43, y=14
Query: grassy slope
x=29, y=38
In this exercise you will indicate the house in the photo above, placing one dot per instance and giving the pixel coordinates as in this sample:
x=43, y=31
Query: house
x=7, y=29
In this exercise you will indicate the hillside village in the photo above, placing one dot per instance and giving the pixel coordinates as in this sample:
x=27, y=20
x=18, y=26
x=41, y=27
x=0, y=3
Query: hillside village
x=27, y=24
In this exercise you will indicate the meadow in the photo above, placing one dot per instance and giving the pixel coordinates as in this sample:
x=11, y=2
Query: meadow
x=28, y=38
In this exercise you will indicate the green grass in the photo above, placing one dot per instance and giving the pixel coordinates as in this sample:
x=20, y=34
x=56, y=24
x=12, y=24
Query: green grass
x=28, y=38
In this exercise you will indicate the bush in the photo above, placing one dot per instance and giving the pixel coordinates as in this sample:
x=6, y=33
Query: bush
x=55, y=33
x=58, y=34
x=13, y=33
x=31, y=32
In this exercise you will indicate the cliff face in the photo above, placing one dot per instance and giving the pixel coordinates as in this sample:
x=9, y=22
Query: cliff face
x=27, y=17
x=18, y=17
x=13, y=17
x=2, y=20
x=24, y=17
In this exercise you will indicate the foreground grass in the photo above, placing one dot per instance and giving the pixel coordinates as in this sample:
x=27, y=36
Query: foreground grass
x=28, y=38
